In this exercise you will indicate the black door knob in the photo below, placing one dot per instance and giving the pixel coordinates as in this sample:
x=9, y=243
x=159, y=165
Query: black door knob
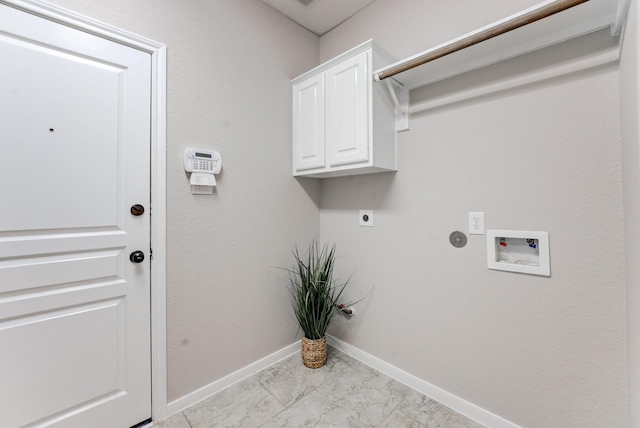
x=137, y=257
x=137, y=210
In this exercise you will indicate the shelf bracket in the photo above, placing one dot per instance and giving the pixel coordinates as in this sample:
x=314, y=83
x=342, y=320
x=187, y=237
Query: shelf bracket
x=400, y=97
x=621, y=16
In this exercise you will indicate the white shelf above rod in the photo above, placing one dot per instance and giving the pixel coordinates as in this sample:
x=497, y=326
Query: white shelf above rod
x=544, y=24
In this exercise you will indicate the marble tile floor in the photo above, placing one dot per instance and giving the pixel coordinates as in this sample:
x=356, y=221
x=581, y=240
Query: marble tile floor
x=344, y=393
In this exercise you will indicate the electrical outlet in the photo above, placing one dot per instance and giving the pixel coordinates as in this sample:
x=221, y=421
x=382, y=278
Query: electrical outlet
x=476, y=223
x=366, y=218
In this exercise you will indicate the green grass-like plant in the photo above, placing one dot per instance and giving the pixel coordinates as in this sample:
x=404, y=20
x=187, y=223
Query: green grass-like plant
x=315, y=295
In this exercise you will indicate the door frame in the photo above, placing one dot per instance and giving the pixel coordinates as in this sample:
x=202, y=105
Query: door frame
x=158, y=52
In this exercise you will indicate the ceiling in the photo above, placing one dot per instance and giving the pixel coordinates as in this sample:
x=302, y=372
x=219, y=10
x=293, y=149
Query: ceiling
x=318, y=16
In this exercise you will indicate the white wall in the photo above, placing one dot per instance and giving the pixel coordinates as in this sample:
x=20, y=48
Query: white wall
x=631, y=174
x=229, y=66
x=537, y=351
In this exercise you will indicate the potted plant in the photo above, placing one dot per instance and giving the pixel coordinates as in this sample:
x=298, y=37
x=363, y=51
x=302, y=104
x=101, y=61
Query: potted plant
x=315, y=296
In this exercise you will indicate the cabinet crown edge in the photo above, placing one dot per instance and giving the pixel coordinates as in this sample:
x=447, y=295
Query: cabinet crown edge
x=362, y=47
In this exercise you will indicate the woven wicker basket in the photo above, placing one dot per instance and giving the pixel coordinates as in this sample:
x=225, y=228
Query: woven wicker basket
x=314, y=352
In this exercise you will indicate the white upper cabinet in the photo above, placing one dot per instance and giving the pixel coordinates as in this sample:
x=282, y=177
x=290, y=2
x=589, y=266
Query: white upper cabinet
x=343, y=123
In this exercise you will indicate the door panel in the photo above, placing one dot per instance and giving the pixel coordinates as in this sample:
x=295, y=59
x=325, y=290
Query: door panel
x=348, y=111
x=74, y=156
x=47, y=99
x=309, y=124
x=93, y=371
x=48, y=270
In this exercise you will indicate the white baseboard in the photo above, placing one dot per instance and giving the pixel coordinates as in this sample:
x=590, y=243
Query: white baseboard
x=217, y=386
x=458, y=404
x=461, y=406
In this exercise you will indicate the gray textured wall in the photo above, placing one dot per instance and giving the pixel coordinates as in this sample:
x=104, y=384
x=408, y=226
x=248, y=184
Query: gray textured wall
x=538, y=351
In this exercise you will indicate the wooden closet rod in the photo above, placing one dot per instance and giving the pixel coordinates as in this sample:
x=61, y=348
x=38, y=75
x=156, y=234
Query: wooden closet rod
x=486, y=34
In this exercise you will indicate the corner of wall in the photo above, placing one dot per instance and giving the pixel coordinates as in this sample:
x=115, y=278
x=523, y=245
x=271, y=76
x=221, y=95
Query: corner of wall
x=630, y=115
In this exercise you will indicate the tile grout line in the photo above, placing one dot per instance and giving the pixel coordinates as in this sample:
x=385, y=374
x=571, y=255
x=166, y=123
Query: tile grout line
x=184, y=415
x=397, y=407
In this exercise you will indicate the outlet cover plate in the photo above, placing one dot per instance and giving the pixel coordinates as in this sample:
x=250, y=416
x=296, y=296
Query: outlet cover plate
x=366, y=218
x=476, y=223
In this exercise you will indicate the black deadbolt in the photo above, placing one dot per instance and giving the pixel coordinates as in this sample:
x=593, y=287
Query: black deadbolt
x=137, y=257
x=137, y=209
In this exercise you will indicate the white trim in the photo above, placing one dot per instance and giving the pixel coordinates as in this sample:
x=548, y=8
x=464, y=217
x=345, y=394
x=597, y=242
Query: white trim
x=235, y=377
x=84, y=23
x=458, y=404
x=158, y=175
x=158, y=233
x=362, y=47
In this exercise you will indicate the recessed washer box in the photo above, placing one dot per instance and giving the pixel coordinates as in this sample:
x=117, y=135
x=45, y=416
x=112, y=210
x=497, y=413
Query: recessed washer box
x=518, y=251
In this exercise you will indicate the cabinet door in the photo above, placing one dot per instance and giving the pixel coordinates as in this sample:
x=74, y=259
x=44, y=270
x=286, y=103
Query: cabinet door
x=308, y=124
x=348, y=111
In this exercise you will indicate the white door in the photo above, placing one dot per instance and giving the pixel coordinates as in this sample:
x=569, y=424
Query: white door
x=308, y=124
x=348, y=111
x=74, y=158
